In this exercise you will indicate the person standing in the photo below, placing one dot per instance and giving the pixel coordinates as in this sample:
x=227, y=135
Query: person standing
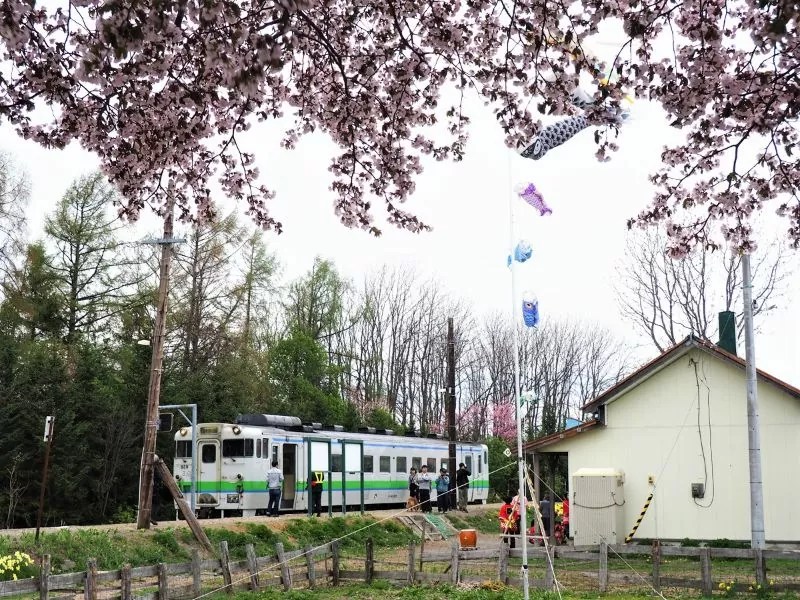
x=424, y=488
x=315, y=484
x=462, y=483
x=544, y=506
x=413, y=488
x=274, y=486
x=442, y=489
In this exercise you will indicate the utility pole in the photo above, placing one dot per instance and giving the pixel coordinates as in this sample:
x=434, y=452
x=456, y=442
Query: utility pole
x=48, y=438
x=154, y=389
x=753, y=426
x=451, y=407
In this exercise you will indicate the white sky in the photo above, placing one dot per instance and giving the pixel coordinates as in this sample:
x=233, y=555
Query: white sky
x=575, y=249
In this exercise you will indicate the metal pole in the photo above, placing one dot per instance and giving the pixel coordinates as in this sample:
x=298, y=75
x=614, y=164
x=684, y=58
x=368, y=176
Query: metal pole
x=753, y=427
x=48, y=436
x=194, y=455
x=154, y=388
x=451, y=410
x=523, y=516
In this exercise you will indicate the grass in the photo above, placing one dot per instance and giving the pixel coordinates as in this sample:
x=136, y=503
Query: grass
x=262, y=537
x=483, y=521
x=385, y=534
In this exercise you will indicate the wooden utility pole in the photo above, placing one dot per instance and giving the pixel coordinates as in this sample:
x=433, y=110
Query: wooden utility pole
x=154, y=389
x=451, y=409
x=184, y=507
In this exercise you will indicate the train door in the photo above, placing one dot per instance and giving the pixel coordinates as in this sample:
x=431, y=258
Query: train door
x=289, y=466
x=210, y=474
x=470, y=463
x=319, y=460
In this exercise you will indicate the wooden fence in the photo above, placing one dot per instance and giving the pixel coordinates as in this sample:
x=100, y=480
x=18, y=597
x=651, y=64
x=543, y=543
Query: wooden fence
x=301, y=568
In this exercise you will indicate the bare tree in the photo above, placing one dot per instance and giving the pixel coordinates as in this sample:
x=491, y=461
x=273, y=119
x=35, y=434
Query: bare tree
x=668, y=299
x=15, y=488
x=14, y=196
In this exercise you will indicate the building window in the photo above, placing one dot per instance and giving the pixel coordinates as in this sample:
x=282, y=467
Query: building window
x=369, y=467
x=385, y=464
x=400, y=464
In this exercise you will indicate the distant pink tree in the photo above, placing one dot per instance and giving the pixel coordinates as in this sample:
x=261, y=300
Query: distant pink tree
x=504, y=420
x=162, y=91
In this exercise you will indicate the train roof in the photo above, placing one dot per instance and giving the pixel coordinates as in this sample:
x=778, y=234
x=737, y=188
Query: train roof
x=276, y=424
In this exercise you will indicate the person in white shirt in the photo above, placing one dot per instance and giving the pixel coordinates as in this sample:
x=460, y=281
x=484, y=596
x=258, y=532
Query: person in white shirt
x=274, y=485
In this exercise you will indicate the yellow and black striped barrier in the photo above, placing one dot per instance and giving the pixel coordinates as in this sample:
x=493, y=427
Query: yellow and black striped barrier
x=639, y=520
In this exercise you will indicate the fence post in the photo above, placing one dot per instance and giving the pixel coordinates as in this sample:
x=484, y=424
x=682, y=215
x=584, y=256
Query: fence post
x=655, y=554
x=761, y=566
x=196, y=573
x=502, y=566
x=335, y=562
x=705, y=571
x=90, y=587
x=411, y=577
x=44, y=578
x=163, y=583
x=369, y=563
x=549, y=572
x=454, y=562
x=311, y=566
x=225, y=563
x=125, y=582
x=602, y=579
x=252, y=566
x=286, y=574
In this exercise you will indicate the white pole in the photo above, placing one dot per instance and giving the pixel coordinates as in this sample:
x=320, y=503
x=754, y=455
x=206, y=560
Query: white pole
x=515, y=302
x=753, y=427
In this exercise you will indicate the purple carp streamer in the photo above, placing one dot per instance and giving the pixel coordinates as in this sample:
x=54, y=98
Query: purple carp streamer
x=532, y=196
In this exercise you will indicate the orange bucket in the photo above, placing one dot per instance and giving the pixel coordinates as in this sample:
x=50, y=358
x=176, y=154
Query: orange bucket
x=468, y=539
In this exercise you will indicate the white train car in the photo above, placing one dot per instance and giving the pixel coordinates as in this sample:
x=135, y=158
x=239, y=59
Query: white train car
x=371, y=466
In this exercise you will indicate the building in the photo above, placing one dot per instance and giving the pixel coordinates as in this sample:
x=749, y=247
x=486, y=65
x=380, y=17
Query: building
x=680, y=421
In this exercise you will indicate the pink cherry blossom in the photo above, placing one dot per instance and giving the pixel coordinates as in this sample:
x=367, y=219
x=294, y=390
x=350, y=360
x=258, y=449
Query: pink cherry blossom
x=161, y=92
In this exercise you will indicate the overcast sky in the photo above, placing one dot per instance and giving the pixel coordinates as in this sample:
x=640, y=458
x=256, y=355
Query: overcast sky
x=575, y=250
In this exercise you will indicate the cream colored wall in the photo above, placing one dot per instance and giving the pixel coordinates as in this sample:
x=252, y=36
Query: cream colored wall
x=652, y=430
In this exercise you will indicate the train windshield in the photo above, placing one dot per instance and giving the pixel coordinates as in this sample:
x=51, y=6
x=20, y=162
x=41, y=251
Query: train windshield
x=183, y=449
x=237, y=448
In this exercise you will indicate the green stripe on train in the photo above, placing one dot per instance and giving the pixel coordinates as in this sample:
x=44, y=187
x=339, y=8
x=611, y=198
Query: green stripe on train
x=355, y=484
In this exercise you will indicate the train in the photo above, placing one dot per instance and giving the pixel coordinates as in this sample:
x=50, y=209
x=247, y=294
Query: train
x=364, y=469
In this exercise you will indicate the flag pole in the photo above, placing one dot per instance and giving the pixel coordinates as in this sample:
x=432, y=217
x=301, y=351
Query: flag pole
x=515, y=305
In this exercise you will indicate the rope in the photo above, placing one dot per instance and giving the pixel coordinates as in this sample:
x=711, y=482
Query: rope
x=277, y=565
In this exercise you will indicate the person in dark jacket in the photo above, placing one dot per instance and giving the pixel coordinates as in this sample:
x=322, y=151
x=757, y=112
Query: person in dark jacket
x=315, y=485
x=462, y=482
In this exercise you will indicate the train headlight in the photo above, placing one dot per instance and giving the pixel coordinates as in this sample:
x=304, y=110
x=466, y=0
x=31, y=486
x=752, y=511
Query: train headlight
x=177, y=477
x=237, y=430
x=239, y=476
x=183, y=431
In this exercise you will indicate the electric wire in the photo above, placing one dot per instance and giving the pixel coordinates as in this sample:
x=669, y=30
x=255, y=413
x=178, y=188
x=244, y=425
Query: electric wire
x=700, y=433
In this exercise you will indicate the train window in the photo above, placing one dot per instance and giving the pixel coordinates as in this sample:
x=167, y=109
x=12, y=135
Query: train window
x=431, y=465
x=183, y=449
x=369, y=466
x=446, y=464
x=416, y=462
x=400, y=464
x=209, y=453
x=385, y=464
x=336, y=463
x=237, y=448
x=274, y=452
x=258, y=448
